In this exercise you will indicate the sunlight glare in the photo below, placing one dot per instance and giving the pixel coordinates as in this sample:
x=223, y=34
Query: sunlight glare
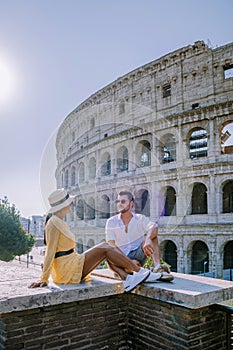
x=7, y=81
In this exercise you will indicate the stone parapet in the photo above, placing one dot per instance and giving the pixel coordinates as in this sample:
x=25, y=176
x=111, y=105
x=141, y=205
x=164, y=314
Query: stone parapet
x=16, y=296
x=189, y=291
x=97, y=314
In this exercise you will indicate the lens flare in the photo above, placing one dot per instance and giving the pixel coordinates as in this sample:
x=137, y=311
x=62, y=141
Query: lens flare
x=7, y=80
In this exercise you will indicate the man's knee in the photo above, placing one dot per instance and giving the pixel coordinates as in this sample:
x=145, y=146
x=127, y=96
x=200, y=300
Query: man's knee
x=104, y=245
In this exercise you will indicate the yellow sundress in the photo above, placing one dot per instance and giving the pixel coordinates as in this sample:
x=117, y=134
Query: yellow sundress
x=65, y=269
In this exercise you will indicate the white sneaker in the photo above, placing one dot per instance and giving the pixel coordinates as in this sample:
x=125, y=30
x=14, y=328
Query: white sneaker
x=153, y=277
x=132, y=281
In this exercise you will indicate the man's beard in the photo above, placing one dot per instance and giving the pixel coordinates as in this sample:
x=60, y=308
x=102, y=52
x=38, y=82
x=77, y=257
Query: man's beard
x=125, y=210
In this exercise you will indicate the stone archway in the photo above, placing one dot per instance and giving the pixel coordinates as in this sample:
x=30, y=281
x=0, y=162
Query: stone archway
x=142, y=202
x=199, y=258
x=170, y=254
x=228, y=256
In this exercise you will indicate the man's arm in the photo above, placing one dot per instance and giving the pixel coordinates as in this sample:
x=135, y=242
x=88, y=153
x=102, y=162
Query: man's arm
x=148, y=246
x=153, y=232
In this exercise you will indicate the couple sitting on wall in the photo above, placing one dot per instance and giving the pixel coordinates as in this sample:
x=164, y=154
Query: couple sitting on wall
x=131, y=240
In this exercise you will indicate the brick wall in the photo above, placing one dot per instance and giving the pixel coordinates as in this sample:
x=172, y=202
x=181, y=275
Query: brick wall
x=118, y=322
x=93, y=324
x=153, y=324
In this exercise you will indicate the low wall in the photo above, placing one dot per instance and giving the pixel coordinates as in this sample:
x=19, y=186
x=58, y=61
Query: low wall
x=164, y=326
x=97, y=314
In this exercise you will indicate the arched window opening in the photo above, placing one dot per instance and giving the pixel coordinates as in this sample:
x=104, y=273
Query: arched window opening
x=90, y=243
x=170, y=202
x=145, y=154
x=200, y=258
x=72, y=211
x=199, y=199
x=73, y=176
x=92, y=168
x=81, y=173
x=66, y=179
x=228, y=197
x=106, y=165
x=228, y=256
x=90, y=209
x=105, y=207
x=92, y=123
x=227, y=138
x=79, y=246
x=122, y=108
x=169, y=149
x=122, y=160
x=170, y=255
x=142, y=203
x=80, y=210
x=198, y=144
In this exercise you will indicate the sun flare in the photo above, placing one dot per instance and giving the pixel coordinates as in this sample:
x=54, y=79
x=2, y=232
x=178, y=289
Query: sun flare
x=7, y=81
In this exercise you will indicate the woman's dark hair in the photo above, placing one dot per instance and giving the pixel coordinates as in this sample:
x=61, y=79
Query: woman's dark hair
x=46, y=220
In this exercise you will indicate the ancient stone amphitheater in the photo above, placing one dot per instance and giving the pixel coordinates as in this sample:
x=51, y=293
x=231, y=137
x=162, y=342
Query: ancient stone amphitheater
x=162, y=131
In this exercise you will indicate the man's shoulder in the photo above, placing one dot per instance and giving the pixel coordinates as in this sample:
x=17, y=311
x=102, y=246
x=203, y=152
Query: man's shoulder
x=112, y=218
x=139, y=216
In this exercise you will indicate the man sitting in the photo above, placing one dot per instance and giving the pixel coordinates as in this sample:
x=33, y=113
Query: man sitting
x=135, y=236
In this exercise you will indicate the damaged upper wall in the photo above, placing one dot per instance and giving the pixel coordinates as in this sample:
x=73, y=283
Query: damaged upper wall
x=189, y=78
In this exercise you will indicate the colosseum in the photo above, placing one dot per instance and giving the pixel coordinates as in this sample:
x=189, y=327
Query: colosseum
x=164, y=132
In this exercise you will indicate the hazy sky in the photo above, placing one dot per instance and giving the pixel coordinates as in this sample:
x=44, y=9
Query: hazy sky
x=56, y=53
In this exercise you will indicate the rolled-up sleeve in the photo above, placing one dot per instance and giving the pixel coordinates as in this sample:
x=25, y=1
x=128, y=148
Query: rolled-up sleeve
x=147, y=224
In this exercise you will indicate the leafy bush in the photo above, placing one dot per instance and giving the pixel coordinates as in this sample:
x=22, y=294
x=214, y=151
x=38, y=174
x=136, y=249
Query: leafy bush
x=14, y=240
x=148, y=263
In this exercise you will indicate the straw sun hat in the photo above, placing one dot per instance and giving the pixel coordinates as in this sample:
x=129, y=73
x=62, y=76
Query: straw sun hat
x=59, y=199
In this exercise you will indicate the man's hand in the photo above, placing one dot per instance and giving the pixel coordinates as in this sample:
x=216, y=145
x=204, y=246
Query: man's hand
x=148, y=247
x=136, y=262
x=37, y=284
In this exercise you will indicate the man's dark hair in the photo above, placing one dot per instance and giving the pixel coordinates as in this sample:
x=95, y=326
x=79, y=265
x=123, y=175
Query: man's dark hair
x=128, y=194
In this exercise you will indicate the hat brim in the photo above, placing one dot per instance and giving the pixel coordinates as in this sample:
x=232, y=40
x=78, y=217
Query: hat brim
x=62, y=205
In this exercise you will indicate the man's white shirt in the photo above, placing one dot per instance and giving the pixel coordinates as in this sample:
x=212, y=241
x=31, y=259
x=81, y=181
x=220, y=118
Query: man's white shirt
x=131, y=238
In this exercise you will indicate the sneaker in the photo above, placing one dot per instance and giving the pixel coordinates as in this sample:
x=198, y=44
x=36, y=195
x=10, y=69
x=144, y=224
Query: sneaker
x=162, y=268
x=153, y=277
x=165, y=271
x=132, y=281
x=166, y=277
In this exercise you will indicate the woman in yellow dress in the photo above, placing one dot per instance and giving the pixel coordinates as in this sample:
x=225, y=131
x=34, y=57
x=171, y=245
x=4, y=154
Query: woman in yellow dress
x=65, y=265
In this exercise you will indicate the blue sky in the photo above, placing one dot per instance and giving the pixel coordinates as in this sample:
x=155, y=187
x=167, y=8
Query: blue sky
x=56, y=53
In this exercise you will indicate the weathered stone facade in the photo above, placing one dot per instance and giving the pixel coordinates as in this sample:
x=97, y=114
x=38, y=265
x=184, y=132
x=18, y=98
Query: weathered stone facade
x=159, y=131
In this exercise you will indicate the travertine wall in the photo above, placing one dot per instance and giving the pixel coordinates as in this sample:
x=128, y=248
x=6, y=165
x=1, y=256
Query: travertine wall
x=166, y=99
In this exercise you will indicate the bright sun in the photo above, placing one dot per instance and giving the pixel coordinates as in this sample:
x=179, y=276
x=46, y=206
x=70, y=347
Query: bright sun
x=7, y=81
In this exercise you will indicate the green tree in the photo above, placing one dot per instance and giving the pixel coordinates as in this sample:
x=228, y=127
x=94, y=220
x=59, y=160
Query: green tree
x=14, y=239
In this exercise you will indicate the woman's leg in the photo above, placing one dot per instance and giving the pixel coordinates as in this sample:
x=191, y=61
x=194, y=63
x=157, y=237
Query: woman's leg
x=119, y=262
x=118, y=270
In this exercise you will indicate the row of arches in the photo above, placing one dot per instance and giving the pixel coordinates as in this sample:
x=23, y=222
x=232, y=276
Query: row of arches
x=197, y=145
x=199, y=199
x=197, y=254
x=89, y=210
x=104, y=207
x=106, y=168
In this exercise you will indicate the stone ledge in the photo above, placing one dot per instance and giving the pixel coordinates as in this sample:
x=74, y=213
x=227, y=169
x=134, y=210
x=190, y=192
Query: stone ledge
x=188, y=291
x=16, y=296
